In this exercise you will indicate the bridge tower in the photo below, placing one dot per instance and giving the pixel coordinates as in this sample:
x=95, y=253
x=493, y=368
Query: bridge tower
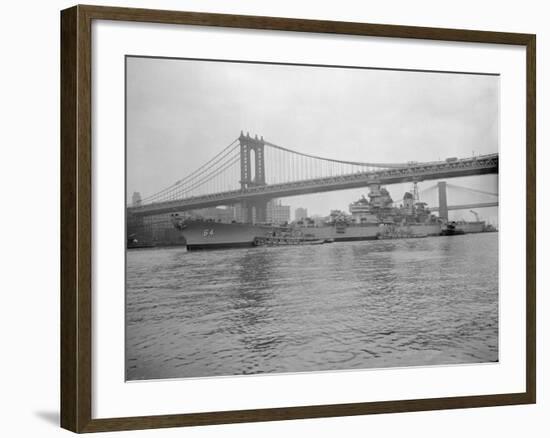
x=249, y=144
x=255, y=211
x=443, y=211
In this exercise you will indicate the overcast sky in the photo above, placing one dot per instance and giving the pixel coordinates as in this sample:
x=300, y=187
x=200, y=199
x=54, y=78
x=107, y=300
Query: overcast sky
x=180, y=113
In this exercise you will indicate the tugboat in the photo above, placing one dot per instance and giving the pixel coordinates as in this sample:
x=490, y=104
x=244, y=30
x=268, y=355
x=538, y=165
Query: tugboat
x=451, y=230
x=283, y=237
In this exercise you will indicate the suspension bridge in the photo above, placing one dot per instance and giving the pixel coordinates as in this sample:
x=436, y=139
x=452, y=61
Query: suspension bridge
x=441, y=189
x=250, y=171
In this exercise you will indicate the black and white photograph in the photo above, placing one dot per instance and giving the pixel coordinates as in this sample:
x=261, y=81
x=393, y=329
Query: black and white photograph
x=290, y=218
x=248, y=219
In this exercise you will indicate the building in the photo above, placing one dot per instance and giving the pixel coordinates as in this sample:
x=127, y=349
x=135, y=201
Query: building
x=278, y=213
x=157, y=230
x=136, y=199
x=300, y=214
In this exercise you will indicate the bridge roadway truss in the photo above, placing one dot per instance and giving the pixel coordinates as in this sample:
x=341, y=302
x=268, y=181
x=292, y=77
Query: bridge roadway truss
x=480, y=165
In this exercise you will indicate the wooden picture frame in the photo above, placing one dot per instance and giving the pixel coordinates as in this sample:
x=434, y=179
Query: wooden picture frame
x=76, y=218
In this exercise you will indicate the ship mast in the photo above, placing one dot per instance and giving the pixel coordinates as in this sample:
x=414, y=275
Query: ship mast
x=414, y=190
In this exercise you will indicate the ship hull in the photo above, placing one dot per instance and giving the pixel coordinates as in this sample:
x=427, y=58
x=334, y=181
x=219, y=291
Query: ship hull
x=216, y=235
x=203, y=235
x=471, y=227
x=344, y=233
x=370, y=231
x=419, y=229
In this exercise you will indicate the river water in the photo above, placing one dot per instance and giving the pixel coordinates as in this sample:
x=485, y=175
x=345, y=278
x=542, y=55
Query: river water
x=348, y=305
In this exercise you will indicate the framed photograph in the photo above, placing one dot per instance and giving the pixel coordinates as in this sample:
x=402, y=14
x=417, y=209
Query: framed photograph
x=271, y=218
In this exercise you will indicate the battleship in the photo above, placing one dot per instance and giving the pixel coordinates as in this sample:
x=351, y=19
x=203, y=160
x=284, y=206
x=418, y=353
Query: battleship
x=370, y=218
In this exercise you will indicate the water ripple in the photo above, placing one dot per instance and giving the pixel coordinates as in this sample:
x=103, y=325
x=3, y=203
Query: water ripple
x=329, y=307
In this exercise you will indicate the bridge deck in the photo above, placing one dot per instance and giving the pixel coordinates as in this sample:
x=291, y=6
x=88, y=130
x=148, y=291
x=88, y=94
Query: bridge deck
x=418, y=172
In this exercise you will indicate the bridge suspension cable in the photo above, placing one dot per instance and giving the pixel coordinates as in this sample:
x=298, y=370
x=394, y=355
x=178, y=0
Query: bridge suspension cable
x=285, y=165
x=454, y=186
x=427, y=189
x=178, y=186
x=468, y=189
x=216, y=172
x=333, y=160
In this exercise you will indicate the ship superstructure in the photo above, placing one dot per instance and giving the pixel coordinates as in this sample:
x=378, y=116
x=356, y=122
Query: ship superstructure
x=380, y=208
